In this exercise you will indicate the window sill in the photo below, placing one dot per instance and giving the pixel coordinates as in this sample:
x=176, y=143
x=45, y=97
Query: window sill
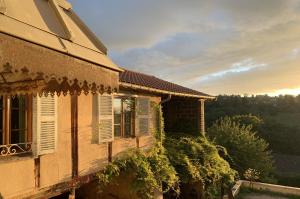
x=124, y=138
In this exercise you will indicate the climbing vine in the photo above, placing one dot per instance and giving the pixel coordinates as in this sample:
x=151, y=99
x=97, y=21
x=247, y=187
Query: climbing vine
x=171, y=162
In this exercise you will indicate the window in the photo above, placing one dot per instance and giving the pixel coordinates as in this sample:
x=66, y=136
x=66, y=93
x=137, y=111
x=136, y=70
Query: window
x=24, y=116
x=18, y=126
x=123, y=117
x=14, y=120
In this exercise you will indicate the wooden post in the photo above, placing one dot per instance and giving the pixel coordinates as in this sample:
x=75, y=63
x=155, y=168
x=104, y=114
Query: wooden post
x=137, y=141
x=202, y=117
x=29, y=109
x=74, y=134
x=72, y=194
x=110, y=151
x=229, y=193
x=37, y=171
x=6, y=132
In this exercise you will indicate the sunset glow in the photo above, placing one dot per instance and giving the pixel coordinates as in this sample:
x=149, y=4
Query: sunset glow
x=295, y=92
x=218, y=47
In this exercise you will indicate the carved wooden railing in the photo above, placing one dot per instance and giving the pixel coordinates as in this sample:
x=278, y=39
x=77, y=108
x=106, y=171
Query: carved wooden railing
x=15, y=149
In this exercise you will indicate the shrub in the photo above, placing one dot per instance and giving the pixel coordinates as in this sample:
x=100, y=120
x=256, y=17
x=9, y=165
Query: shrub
x=196, y=159
x=150, y=171
x=245, y=148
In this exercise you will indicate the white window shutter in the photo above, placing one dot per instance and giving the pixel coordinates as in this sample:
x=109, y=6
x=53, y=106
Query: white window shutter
x=105, y=118
x=142, y=113
x=44, y=124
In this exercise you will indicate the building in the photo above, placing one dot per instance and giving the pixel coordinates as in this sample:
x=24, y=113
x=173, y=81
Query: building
x=64, y=113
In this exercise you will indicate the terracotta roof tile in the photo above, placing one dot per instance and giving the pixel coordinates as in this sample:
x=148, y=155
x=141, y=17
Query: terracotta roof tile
x=141, y=79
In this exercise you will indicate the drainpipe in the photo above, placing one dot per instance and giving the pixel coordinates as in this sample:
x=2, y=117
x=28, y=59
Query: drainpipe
x=160, y=116
x=165, y=100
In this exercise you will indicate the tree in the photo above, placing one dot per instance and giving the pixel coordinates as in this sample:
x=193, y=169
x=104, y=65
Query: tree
x=245, y=148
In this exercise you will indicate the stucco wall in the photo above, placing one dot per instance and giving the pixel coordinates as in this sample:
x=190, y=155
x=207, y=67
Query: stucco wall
x=17, y=176
x=91, y=155
x=17, y=173
x=56, y=167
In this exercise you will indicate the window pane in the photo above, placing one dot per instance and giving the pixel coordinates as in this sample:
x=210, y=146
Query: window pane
x=117, y=117
x=18, y=119
x=1, y=120
x=128, y=105
x=117, y=130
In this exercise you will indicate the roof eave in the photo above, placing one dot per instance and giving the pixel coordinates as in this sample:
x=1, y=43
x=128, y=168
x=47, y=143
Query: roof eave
x=134, y=86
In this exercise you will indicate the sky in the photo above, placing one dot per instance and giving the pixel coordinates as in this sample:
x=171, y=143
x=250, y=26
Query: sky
x=214, y=46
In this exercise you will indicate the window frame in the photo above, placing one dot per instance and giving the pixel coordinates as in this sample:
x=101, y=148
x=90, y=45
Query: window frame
x=122, y=119
x=6, y=120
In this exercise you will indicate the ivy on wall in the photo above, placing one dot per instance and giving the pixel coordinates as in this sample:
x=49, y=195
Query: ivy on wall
x=170, y=163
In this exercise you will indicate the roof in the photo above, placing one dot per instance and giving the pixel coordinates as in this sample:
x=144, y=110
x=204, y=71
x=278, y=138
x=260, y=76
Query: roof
x=53, y=24
x=142, y=81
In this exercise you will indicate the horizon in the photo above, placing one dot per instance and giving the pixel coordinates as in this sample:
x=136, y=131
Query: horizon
x=212, y=47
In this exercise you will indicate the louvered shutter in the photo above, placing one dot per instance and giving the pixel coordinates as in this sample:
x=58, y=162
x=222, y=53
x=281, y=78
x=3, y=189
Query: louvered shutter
x=105, y=118
x=142, y=112
x=44, y=124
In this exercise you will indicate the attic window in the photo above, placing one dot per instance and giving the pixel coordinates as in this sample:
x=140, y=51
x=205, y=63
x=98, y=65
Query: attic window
x=56, y=4
x=64, y=4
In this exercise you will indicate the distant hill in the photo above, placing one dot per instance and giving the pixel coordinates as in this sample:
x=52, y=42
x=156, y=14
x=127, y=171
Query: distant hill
x=281, y=116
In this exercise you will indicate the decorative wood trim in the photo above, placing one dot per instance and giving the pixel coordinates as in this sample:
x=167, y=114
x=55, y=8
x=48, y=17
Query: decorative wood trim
x=74, y=134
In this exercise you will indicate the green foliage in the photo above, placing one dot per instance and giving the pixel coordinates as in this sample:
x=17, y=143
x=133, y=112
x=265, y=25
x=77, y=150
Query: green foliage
x=196, y=159
x=246, y=192
x=248, y=120
x=169, y=163
x=293, y=180
x=149, y=172
x=281, y=116
x=245, y=148
x=251, y=174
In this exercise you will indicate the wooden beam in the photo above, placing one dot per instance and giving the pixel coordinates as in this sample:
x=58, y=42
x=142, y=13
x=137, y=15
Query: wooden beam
x=137, y=140
x=37, y=171
x=74, y=134
x=110, y=151
x=7, y=120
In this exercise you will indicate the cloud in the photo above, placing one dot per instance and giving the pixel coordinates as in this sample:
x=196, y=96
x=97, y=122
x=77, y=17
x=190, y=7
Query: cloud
x=239, y=67
x=203, y=44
